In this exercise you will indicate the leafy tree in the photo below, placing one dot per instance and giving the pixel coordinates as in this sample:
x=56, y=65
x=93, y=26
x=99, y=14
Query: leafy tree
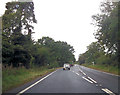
x=18, y=46
x=64, y=52
x=105, y=50
x=42, y=55
x=107, y=22
x=46, y=41
x=18, y=16
x=82, y=58
x=60, y=52
x=95, y=54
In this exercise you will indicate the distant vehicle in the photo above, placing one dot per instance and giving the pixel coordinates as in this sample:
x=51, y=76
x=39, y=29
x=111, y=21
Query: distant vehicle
x=66, y=66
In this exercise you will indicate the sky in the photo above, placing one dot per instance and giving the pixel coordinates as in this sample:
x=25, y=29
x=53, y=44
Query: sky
x=65, y=20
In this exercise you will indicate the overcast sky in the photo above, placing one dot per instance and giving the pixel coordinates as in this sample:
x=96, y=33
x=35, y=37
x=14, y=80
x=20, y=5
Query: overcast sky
x=65, y=20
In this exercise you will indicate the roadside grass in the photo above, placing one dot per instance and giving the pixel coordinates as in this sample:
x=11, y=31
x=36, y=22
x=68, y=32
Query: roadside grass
x=106, y=68
x=14, y=77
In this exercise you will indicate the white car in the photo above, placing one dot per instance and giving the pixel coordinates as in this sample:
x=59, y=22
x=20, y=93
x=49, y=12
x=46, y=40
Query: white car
x=66, y=66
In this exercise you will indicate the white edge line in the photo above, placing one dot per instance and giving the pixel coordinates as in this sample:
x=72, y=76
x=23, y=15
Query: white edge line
x=92, y=80
x=35, y=83
x=108, y=91
x=87, y=80
x=109, y=73
x=102, y=72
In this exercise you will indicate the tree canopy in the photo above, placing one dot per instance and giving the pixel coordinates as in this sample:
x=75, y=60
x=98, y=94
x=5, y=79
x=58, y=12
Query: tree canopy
x=106, y=49
x=18, y=47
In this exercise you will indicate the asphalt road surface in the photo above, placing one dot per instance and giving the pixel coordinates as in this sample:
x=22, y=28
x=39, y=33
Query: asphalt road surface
x=78, y=79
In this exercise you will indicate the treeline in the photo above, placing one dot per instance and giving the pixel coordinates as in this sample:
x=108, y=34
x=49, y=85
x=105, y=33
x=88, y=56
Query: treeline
x=18, y=47
x=106, y=49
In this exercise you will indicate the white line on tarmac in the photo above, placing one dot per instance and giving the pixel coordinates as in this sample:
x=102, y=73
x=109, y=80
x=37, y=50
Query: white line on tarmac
x=92, y=80
x=108, y=91
x=84, y=73
x=87, y=80
x=109, y=73
x=73, y=71
x=77, y=74
x=102, y=72
x=35, y=83
x=80, y=69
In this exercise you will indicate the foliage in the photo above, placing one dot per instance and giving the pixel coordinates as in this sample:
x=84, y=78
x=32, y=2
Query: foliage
x=19, y=49
x=18, y=16
x=14, y=77
x=59, y=51
x=105, y=50
x=107, y=22
x=104, y=67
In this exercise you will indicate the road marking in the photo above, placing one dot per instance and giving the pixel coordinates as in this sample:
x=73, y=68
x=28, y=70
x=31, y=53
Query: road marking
x=92, y=80
x=73, y=71
x=80, y=69
x=77, y=74
x=84, y=73
x=108, y=91
x=109, y=73
x=101, y=71
x=87, y=80
x=35, y=83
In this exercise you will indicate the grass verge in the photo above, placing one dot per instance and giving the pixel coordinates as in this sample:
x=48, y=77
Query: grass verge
x=105, y=68
x=14, y=77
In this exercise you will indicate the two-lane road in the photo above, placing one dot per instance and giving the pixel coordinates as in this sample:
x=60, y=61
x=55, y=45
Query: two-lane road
x=77, y=80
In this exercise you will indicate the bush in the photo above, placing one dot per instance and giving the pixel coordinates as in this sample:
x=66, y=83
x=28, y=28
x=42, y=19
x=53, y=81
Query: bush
x=103, y=59
x=53, y=65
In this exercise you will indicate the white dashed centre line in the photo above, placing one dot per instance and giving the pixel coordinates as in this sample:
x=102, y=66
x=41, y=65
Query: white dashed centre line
x=84, y=73
x=108, y=91
x=87, y=79
x=73, y=71
x=92, y=80
x=77, y=74
x=80, y=70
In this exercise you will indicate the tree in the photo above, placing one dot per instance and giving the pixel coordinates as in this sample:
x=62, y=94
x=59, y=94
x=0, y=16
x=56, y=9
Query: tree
x=46, y=41
x=82, y=58
x=18, y=46
x=59, y=52
x=107, y=22
x=42, y=56
x=63, y=52
x=95, y=50
x=18, y=16
x=106, y=49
